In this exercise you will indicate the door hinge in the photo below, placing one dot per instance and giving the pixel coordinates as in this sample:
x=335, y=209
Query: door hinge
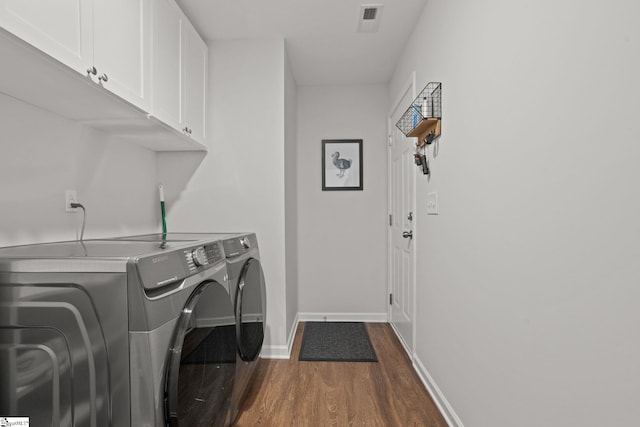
x=390, y=299
x=390, y=220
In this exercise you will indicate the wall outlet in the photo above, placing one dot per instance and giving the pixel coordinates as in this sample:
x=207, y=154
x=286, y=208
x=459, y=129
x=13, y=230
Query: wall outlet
x=70, y=196
x=432, y=203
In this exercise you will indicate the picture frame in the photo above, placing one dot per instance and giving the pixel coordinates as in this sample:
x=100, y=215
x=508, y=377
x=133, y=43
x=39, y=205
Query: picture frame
x=342, y=167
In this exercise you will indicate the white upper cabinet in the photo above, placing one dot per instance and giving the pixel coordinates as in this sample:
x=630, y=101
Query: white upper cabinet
x=133, y=68
x=195, y=83
x=166, y=48
x=105, y=39
x=179, y=71
x=62, y=29
x=121, y=48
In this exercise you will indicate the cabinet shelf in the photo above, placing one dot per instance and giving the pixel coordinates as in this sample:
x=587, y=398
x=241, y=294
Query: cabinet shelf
x=34, y=77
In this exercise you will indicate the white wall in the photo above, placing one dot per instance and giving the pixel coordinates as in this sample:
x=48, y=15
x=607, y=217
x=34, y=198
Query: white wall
x=528, y=277
x=342, y=234
x=42, y=155
x=291, y=198
x=239, y=184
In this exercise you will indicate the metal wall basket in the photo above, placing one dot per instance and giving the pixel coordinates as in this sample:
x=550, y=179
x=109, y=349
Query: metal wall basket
x=422, y=118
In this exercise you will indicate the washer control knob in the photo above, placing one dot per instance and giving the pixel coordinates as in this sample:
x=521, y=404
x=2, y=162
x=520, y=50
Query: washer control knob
x=245, y=243
x=199, y=256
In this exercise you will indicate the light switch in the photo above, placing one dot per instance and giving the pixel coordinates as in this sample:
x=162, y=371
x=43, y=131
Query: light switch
x=432, y=203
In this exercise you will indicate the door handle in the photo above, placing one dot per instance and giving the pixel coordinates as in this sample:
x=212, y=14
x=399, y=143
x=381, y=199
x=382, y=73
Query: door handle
x=407, y=234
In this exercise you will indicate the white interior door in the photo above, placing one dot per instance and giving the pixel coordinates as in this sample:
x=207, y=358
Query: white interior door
x=401, y=227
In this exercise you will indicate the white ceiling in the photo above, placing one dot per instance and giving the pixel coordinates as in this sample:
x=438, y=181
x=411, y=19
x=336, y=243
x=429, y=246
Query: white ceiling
x=321, y=36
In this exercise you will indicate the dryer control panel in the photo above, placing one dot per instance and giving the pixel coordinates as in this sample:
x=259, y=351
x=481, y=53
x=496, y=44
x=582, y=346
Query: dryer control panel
x=239, y=245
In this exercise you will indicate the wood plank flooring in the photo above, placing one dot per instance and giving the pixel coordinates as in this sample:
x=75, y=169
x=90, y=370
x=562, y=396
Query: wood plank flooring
x=309, y=394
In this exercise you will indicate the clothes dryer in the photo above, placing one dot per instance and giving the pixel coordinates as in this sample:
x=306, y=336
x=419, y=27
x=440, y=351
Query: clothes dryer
x=248, y=291
x=108, y=333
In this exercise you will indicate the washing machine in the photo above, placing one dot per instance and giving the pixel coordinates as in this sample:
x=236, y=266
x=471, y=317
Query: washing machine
x=247, y=291
x=117, y=333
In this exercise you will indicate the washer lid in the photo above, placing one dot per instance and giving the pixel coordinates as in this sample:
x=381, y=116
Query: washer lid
x=183, y=237
x=160, y=260
x=75, y=256
x=88, y=249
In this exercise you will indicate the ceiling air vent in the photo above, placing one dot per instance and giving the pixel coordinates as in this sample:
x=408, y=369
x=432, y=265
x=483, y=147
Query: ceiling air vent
x=369, y=13
x=369, y=19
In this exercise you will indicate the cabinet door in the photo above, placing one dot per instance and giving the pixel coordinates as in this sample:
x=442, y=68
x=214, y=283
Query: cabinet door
x=195, y=83
x=167, y=62
x=60, y=28
x=121, y=40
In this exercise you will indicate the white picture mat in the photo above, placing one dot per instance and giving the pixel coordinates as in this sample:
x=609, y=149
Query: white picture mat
x=349, y=151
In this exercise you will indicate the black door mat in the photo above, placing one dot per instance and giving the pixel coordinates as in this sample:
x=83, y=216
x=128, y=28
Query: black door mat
x=336, y=342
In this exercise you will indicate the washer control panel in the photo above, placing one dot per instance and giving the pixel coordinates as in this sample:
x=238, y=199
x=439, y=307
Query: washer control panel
x=199, y=256
x=203, y=256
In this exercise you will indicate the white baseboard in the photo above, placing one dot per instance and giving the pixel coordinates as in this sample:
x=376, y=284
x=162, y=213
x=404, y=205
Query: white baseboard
x=292, y=333
x=275, y=352
x=343, y=317
x=282, y=351
x=445, y=408
x=404, y=344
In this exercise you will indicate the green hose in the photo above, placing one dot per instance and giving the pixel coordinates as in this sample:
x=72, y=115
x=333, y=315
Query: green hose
x=164, y=219
x=163, y=213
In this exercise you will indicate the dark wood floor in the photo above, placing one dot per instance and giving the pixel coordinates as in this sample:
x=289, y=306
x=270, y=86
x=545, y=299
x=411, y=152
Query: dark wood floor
x=386, y=394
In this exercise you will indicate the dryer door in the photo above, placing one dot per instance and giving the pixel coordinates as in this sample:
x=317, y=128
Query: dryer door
x=250, y=310
x=201, y=364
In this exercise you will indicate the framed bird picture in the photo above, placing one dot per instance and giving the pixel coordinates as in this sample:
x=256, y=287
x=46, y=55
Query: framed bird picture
x=341, y=164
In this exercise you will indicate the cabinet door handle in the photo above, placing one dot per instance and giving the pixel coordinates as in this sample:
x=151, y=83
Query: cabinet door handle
x=92, y=70
x=103, y=78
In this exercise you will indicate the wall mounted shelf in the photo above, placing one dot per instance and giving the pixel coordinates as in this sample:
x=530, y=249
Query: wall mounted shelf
x=423, y=118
